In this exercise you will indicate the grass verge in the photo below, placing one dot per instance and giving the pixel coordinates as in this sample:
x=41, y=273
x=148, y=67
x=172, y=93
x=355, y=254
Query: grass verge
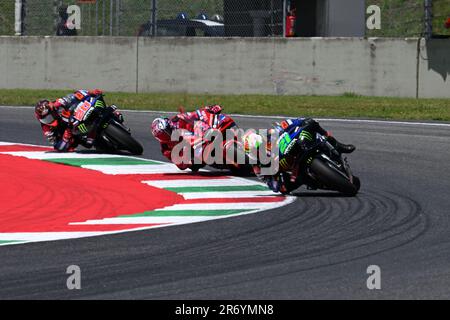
x=345, y=106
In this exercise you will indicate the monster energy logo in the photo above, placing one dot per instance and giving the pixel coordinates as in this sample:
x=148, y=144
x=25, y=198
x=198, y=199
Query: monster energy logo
x=99, y=104
x=82, y=127
x=306, y=135
x=284, y=164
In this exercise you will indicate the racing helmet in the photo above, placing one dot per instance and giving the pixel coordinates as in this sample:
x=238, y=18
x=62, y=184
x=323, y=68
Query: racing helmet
x=44, y=112
x=161, y=129
x=252, y=141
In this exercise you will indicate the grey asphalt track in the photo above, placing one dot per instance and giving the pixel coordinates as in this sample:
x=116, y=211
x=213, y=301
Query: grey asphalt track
x=317, y=248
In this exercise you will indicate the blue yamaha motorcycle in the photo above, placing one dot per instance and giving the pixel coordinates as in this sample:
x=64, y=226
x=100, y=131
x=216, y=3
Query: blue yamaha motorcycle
x=308, y=158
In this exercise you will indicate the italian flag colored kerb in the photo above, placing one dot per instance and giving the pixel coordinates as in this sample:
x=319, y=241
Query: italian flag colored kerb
x=51, y=196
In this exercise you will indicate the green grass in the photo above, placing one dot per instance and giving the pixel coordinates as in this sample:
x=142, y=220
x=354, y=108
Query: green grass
x=348, y=105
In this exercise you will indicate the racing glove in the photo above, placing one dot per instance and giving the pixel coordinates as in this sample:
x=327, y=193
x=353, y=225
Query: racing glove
x=50, y=135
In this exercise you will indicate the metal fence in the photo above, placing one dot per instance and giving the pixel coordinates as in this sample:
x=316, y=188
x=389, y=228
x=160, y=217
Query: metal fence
x=97, y=17
x=411, y=18
x=399, y=18
x=441, y=17
x=243, y=18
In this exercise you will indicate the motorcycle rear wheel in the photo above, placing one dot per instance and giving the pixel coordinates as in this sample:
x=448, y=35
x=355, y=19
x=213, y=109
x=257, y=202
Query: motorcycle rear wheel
x=332, y=179
x=123, y=139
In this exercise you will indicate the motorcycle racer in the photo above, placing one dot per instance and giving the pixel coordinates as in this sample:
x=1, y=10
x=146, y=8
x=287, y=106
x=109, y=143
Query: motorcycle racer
x=278, y=182
x=57, y=122
x=187, y=122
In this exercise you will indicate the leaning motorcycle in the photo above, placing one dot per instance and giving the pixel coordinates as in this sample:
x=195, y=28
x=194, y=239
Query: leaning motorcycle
x=230, y=150
x=111, y=135
x=307, y=158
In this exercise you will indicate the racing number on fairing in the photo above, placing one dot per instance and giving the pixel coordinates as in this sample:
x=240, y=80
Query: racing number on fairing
x=81, y=110
x=285, y=140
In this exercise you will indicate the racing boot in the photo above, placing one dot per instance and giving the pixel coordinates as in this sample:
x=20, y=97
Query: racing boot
x=340, y=147
x=273, y=183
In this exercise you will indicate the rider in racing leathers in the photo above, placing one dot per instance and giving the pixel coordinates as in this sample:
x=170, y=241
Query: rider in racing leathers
x=253, y=141
x=57, y=121
x=162, y=128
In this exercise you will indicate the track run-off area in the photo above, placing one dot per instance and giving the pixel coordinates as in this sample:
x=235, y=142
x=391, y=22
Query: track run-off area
x=311, y=245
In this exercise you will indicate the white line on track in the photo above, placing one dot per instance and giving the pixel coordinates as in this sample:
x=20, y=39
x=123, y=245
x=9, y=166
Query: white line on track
x=45, y=236
x=199, y=183
x=405, y=123
x=149, y=220
x=220, y=206
x=138, y=169
x=236, y=115
x=45, y=155
x=58, y=155
x=287, y=201
x=228, y=194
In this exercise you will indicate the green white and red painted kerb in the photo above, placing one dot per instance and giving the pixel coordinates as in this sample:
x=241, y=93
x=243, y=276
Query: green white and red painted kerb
x=49, y=196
